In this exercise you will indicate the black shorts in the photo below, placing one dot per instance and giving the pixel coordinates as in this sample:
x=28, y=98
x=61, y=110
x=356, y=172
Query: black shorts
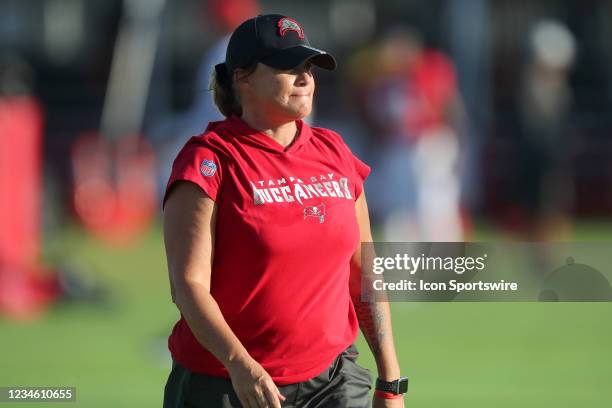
x=343, y=384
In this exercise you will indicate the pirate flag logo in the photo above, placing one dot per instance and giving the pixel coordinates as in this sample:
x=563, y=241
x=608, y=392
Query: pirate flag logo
x=315, y=211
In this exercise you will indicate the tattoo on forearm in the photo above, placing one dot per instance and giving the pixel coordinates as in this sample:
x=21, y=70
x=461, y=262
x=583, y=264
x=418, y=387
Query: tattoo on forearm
x=371, y=320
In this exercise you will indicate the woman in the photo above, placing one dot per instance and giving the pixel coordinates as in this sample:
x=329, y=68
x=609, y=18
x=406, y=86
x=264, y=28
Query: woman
x=263, y=216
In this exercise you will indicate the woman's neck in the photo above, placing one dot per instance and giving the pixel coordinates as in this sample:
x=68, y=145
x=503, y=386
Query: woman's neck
x=282, y=131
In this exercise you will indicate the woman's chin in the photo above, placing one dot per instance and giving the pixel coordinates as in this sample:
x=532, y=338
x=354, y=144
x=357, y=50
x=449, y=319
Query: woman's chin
x=300, y=112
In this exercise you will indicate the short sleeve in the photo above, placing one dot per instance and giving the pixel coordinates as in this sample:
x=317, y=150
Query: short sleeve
x=361, y=173
x=198, y=164
x=356, y=169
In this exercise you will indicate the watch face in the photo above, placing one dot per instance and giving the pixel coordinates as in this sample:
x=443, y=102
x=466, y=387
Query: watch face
x=403, y=385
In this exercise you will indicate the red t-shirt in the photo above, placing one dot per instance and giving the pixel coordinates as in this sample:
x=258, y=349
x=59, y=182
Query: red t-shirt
x=285, y=233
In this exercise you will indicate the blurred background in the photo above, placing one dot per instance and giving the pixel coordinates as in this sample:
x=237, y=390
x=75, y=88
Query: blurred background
x=482, y=121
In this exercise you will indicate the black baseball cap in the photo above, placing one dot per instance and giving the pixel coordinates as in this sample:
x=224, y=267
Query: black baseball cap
x=274, y=40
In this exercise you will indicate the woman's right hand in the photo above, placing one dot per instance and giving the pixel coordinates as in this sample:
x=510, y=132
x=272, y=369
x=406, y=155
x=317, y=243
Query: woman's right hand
x=254, y=386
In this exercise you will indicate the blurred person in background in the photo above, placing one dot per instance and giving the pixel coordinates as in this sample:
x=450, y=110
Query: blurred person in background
x=543, y=105
x=262, y=223
x=410, y=100
x=169, y=135
x=26, y=287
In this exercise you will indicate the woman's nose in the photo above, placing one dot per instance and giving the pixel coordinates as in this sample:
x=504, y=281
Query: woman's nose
x=304, y=77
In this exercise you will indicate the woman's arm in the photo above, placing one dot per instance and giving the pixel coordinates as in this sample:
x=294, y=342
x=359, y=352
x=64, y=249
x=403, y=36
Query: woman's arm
x=374, y=317
x=189, y=225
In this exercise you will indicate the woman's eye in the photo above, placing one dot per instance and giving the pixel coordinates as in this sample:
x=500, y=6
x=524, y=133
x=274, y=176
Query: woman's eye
x=303, y=68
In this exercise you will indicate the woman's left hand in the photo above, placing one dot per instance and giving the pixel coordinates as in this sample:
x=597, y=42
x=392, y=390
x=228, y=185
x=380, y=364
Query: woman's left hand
x=378, y=402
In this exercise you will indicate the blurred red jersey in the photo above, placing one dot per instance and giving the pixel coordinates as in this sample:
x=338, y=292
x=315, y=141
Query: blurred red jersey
x=286, y=231
x=21, y=137
x=433, y=87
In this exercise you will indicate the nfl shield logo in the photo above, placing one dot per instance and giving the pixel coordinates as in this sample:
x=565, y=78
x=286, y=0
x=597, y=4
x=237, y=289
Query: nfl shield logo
x=208, y=168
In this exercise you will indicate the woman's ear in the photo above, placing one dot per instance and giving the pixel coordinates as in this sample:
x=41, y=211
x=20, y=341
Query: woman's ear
x=241, y=76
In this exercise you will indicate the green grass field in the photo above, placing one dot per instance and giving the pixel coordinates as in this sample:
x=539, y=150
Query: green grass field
x=456, y=354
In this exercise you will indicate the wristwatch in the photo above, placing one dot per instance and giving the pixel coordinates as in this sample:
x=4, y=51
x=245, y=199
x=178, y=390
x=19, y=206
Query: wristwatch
x=399, y=386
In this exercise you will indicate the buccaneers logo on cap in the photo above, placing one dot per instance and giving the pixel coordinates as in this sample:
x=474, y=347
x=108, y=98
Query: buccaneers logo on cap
x=288, y=24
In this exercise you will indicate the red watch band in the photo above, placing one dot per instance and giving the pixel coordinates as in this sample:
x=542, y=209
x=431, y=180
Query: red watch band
x=387, y=395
